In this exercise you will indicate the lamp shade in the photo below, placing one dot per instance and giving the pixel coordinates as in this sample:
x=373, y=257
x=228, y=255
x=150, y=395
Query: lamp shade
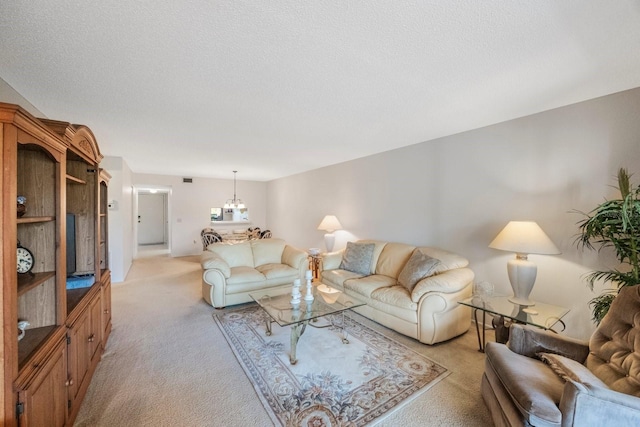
x=524, y=237
x=330, y=223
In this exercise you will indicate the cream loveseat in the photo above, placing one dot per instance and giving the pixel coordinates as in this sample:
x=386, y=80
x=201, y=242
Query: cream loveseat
x=232, y=272
x=413, y=290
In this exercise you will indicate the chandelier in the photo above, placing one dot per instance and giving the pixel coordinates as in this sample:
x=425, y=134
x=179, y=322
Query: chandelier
x=234, y=203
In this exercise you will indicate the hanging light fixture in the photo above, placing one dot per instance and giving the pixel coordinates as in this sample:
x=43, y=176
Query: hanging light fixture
x=234, y=203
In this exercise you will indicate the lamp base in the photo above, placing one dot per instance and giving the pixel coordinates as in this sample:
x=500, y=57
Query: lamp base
x=329, y=241
x=522, y=275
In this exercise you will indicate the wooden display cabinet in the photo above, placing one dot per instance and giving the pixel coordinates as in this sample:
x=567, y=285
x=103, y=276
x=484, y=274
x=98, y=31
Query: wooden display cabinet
x=43, y=397
x=55, y=166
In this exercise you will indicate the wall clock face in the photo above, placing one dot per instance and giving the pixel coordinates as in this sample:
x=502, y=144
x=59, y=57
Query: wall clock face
x=25, y=259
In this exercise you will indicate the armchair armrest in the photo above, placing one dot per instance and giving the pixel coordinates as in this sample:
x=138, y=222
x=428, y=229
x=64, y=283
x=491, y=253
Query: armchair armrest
x=211, y=260
x=586, y=404
x=528, y=341
x=448, y=282
x=332, y=260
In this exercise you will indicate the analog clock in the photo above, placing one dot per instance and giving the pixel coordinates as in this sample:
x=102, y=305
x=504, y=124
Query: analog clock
x=25, y=259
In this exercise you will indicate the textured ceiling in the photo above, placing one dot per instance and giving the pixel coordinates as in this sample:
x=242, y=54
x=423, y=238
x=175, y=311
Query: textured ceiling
x=273, y=88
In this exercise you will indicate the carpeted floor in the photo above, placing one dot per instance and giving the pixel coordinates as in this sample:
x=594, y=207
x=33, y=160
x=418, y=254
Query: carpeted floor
x=168, y=364
x=334, y=382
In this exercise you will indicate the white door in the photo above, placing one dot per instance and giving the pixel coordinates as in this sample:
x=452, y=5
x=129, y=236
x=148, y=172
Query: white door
x=152, y=219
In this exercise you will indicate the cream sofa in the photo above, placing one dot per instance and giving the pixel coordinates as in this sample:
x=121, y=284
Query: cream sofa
x=232, y=272
x=429, y=312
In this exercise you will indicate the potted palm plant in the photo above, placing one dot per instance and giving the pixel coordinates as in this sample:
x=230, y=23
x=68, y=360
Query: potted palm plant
x=613, y=224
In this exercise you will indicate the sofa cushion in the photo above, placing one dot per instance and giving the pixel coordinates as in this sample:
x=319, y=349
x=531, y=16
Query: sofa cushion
x=267, y=251
x=393, y=258
x=419, y=266
x=238, y=255
x=243, y=279
x=276, y=271
x=357, y=257
x=536, y=390
x=365, y=286
x=338, y=277
x=396, y=296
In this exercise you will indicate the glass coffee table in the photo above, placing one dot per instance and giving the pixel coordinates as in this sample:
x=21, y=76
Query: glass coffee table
x=544, y=316
x=276, y=304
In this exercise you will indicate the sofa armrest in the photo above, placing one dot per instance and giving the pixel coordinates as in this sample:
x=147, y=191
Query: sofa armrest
x=212, y=261
x=448, y=282
x=294, y=257
x=586, y=404
x=529, y=341
x=332, y=260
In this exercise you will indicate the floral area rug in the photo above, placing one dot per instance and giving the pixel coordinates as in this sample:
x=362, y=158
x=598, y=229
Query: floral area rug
x=332, y=384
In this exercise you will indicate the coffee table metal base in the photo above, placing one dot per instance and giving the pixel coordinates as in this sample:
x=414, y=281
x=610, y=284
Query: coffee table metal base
x=298, y=329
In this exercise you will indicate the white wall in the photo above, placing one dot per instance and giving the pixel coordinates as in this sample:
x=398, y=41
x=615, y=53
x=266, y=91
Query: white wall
x=190, y=206
x=11, y=96
x=120, y=194
x=458, y=192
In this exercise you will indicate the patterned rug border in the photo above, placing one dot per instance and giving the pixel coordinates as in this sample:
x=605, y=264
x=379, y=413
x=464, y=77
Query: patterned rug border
x=355, y=317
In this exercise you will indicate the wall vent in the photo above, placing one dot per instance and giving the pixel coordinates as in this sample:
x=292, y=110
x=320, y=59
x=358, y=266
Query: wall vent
x=188, y=180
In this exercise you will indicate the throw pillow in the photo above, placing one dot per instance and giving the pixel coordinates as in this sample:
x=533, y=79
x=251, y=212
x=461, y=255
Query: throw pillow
x=419, y=266
x=568, y=369
x=357, y=258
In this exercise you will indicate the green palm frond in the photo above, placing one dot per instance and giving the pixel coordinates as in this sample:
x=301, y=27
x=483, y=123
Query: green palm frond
x=614, y=224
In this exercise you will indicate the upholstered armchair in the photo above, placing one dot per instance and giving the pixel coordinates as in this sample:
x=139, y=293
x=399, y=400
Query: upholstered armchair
x=542, y=379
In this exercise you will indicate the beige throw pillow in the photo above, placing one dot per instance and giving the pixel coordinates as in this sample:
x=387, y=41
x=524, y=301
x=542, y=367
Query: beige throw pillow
x=419, y=266
x=568, y=369
x=357, y=258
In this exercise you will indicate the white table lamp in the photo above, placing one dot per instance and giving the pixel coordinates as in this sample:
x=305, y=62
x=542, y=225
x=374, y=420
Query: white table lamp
x=523, y=238
x=330, y=224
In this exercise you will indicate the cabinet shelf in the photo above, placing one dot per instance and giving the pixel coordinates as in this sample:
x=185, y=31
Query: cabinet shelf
x=75, y=296
x=26, y=282
x=73, y=180
x=35, y=219
x=31, y=341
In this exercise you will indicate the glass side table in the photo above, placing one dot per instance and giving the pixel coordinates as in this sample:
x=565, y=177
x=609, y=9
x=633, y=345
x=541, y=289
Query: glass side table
x=545, y=316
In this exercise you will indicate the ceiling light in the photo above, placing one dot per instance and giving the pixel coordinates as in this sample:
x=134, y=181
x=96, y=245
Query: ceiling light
x=234, y=203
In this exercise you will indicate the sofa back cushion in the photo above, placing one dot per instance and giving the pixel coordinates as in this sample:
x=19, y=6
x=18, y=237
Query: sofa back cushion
x=267, y=251
x=393, y=258
x=238, y=255
x=448, y=260
x=614, y=347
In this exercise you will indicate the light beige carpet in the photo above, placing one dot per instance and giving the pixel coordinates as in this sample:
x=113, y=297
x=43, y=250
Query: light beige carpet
x=339, y=379
x=168, y=364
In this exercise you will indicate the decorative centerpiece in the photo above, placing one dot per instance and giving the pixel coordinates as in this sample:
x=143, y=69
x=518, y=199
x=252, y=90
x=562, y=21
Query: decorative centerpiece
x=309, y=296
x=328, y=294
x=295, y=294
x=22, y=207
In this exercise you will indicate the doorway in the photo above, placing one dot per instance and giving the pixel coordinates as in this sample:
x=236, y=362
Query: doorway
x=152, y=219
x=152, y=222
